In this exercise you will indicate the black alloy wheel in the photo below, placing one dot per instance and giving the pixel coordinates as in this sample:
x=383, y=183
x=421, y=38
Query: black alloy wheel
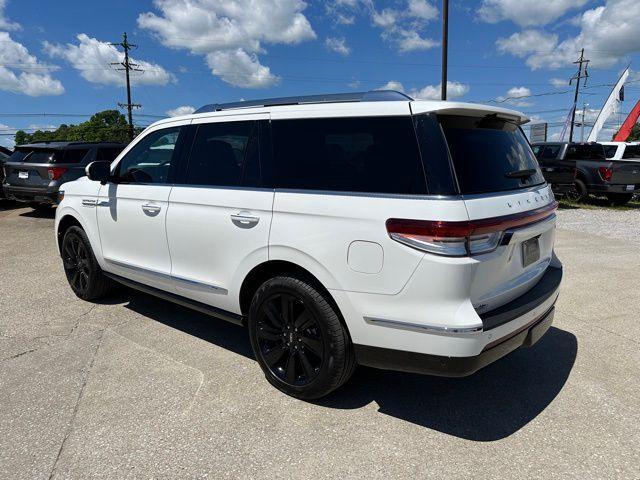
x=75, y=259
x=81, y=267
x=290, y=339
x=298, y=337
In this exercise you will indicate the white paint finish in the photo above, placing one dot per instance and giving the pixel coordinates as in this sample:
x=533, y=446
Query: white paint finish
x=463, y=108
x=318, y=228
x=209, y=248
x=132, y=237
x=75, y=192
x=336, y=110
x=365, y=257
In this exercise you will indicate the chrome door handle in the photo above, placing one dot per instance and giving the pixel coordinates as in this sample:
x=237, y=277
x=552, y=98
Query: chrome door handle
x=151, y=209
x=244, y=220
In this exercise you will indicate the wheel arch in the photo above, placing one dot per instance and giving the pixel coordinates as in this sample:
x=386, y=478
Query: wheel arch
x=273, y=268
x=66, y=221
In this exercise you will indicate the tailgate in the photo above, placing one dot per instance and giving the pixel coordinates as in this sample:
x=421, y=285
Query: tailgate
x=625, y=172
x=558, y=171
x=27, y=174
x=524, y=253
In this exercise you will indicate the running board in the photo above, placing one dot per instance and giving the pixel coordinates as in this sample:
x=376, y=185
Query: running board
x=185, y=302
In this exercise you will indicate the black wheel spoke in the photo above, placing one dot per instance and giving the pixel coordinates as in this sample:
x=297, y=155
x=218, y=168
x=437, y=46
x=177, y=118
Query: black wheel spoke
x=269, y=334
x=304, y=320
x=285, y=308
x=309, y=371
x=313, y=344
x=273, y=355
x=290, y=370
x=75, y=279
x=273, y=315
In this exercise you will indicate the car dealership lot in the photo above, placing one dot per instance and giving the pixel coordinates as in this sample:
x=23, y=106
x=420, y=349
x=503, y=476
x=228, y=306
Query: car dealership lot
x=137, y=387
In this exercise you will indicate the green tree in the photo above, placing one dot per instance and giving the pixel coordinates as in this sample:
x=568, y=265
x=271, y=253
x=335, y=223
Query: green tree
x=105, y=126
x=635, y=134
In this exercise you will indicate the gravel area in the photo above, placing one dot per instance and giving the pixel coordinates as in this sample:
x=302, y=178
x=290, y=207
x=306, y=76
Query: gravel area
x=605, y=222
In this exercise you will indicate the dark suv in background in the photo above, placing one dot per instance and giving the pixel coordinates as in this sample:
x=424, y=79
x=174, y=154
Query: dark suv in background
x=34, y=172
x=5, y=153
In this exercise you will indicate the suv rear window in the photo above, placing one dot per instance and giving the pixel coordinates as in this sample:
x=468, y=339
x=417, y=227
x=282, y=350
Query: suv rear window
x=361, y=154
x=49, y=156
x=489, y=154
x=546, y=152
x=587, y=151
x=631, y=151
x=610, y=150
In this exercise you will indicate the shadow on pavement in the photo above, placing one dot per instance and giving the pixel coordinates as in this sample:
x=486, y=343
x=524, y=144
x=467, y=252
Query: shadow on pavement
x=487, y=406
x=9, y=205
x=43, y=212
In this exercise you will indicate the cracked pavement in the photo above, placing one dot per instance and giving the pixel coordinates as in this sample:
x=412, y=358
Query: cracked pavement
x=137, y=387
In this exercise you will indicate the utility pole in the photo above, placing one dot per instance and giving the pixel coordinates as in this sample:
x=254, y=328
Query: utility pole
x=584, y=107
x=127, y=66
x=445, y=46
x=582, y=73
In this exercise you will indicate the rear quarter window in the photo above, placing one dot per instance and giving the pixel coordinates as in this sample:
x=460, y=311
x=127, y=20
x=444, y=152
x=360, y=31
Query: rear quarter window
x=585, y=152
x=489, y=154
x=359, y=154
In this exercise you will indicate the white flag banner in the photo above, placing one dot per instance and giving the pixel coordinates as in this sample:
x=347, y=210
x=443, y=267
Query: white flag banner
x=609, y=107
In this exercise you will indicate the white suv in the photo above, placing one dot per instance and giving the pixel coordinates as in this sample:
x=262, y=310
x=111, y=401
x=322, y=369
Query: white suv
x=342, y=229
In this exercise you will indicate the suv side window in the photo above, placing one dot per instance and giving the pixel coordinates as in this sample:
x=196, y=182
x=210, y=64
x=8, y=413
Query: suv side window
x=224, y=154
x=73, y=155
x=149, y=161
x=362, y=154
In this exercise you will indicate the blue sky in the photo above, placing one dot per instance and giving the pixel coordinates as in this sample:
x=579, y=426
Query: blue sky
x=54, y=56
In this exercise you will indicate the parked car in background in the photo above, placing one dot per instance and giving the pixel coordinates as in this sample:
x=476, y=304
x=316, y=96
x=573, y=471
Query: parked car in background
x=622, y=150
x=34, y=172
x=4, y=154
x=559, y=172
x=617, y=180
x=350, y=229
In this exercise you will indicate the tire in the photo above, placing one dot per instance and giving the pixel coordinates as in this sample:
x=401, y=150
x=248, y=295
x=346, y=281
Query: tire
x=81, y=268
x=580, y=192
x=290, y=320
x=619, y=199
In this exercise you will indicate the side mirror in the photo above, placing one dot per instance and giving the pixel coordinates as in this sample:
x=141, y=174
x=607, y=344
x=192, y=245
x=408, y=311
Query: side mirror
x=98, y=171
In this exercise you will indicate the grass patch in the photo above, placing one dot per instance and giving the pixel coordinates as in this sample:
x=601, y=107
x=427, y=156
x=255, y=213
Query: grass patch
x=597, y=203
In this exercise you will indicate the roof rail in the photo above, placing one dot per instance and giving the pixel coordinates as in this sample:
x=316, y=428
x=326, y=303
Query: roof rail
x=371, y=96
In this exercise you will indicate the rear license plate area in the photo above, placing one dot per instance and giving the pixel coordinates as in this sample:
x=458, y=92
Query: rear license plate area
x=23, y=174
x=631, y=188
x=530, y=251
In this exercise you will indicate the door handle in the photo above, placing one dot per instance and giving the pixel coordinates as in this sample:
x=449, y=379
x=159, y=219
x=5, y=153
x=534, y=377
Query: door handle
x=151, y=209
x=244, y=220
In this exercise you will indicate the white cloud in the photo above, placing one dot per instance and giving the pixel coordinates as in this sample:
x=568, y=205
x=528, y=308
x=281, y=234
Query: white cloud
x=429, y=92
x=5, y=23
x=402, y=25
x=182, y=110
x=559, y=82
x=94, y=59
x=23, y=72
x=526, y=13
x=608, y=33
x=516, y=96
x=338, y=45
x=241, y=69
x=230, y=34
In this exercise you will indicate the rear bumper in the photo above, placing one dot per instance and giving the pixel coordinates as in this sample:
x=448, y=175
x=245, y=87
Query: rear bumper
x=613, y=188
x=412, y=362
x=520, y=322
x=46, y=194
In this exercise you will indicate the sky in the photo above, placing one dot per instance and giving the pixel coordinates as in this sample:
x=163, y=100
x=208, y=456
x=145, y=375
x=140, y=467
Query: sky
x=56, y=58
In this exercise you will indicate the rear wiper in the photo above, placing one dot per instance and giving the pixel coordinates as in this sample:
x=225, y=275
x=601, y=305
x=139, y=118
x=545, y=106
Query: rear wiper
x=521, y=173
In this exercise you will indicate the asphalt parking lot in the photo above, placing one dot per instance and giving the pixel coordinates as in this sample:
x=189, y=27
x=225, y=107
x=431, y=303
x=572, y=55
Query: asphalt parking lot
x=139, y=388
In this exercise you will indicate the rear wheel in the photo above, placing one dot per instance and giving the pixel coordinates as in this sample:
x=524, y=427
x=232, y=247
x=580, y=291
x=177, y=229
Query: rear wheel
x=579, y=192
x=619, y=198
x=298, y=339
x=81, y=268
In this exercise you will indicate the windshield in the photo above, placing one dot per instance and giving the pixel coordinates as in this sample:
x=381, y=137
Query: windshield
x=490, y=154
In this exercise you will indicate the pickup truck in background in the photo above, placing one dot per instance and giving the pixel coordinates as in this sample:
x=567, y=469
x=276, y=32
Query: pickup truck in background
x=622, y=150
x=617, y=180
x=558, y=171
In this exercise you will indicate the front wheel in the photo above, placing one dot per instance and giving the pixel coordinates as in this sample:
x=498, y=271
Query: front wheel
x=619, y=199
x=81, y=268
x=298, y=338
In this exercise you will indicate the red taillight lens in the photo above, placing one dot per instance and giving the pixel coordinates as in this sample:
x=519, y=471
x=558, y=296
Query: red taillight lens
x=56, y=172
x=575, y=172
x=458, y=239
x=605, y=173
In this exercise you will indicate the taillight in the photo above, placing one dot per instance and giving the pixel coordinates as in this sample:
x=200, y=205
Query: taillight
x=605, y=173
x=459, y=239
x=575, y=173
x=56, y=172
